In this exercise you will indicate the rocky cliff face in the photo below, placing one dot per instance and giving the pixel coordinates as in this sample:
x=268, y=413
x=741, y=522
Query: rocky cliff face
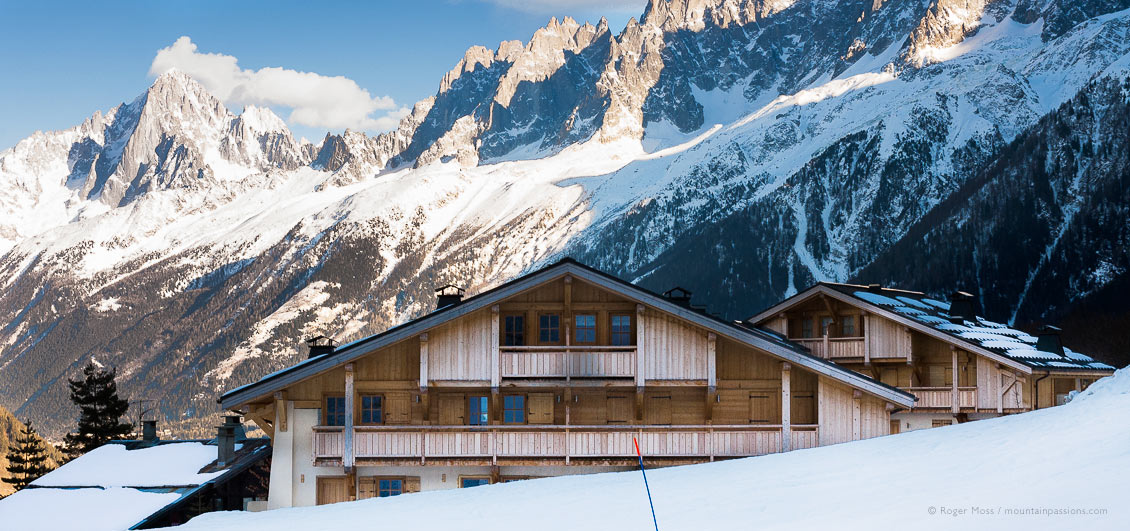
x=739, y=148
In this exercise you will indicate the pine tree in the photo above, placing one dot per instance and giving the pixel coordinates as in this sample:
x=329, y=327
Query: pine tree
x=96, y=395
x=27, y=458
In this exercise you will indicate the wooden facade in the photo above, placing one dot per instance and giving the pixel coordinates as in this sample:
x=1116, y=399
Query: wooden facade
x=559, y=377
x=950, y=378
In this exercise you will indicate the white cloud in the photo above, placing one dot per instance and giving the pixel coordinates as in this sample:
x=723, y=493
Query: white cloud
x=559, y=6
x=315, y=100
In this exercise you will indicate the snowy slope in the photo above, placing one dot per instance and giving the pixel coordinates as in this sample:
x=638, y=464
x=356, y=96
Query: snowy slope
x=1066, y=458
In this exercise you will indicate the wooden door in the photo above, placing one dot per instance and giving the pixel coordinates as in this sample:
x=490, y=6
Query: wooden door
x=332, y=490
x=895, y=427
x=541, y=408
x=366, y=488
x=658, y=411
x=620, y=409
x=451, y=410
x=803, y=408
x=764, y=408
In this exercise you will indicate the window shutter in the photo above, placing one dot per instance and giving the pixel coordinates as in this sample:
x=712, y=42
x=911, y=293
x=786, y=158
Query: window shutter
x=397, y=408
x=412, y=484
x=541, y=408
x=366, y=488
x=451, y=410
x=619, y=409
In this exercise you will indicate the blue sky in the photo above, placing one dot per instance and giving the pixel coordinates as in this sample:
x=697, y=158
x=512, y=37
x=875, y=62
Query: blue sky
x=61, y=61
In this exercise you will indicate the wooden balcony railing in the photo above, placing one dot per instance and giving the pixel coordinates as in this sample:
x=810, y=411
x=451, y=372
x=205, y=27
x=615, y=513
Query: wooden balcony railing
x=577, y=361
x=833, y=347
x=493, y=442
x=942, y=397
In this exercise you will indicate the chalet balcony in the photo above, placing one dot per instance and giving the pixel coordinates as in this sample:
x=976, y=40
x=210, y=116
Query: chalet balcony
x=942, y=397
x=563, y=442
x=831, y=348
x=579, y=361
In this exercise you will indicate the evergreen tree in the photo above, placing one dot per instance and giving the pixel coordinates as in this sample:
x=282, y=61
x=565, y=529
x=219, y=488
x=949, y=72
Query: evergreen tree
x=27, y=458
x=96, y=395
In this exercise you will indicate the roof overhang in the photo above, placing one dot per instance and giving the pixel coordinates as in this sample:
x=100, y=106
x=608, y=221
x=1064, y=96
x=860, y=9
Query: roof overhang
x=821, y=289
x=784, y=350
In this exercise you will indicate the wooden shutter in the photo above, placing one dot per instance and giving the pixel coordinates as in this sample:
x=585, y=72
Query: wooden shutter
x=764, y=408
x=658, y=410
x=619, y=409
x=451, y=410
x=366, y=488
x=332, y=490
x=412, y=484
x=397, y=408
x=803, y=408
x=541, y=408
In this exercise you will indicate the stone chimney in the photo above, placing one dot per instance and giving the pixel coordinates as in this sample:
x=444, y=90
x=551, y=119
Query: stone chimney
x=962, y=307
x=448, y=295
x=226, y=437
x=149, y=431
x=678, y=296
x=319, y=345
x=1047, y=340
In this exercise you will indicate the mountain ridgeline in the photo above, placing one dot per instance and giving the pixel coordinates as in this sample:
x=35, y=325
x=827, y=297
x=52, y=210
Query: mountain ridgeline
x=739, y=148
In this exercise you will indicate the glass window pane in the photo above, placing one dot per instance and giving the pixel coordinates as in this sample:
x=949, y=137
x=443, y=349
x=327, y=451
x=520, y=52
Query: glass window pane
x=478, y=411
x=549, y=328
x=473, y=482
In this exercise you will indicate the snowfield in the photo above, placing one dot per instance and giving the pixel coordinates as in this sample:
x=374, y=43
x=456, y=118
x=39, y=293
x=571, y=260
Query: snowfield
x=1062, y=467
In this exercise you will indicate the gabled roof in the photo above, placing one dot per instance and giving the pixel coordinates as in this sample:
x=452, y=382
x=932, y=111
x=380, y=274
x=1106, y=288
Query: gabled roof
x=930, y=316
x=772, y=343
x=125, y=484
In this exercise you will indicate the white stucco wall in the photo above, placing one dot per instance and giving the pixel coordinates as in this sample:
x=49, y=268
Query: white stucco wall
x=920, y=421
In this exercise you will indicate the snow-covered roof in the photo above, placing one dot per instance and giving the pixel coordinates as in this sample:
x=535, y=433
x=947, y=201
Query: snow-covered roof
x=122, y=484
x=995, y=337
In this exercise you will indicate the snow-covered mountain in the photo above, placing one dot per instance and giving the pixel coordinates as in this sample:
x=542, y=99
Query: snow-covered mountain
x=787, y=141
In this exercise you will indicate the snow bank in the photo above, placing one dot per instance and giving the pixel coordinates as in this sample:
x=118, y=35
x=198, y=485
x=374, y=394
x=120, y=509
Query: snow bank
x=977, y=475
x=85, y=509
x=112, y=465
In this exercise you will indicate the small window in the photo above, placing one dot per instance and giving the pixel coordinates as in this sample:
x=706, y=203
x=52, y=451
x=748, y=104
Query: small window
x=473, y=481
x=478, y=411
x=621, y=330
x=335, y=411
x=806, y=327
x=849, y=326
x=937, y=423
x=514, y=330
x=586, y=328
x=514, y=409
x=371, y=409
x=549, y=328
x=389, y=487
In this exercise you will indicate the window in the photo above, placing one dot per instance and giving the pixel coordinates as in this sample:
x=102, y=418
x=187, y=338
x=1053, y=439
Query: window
x=478, y=411
x=586, y=328
x=826, y=326
x=621, y=330
x=371, y=406
x=514, y=409
x=806, y=327
x=374, y=487
x=514, y=330
x=473, y=481
x=334, y=411
x=549, y=328
x=389, y=487
x=849, y=326
x=937, y=423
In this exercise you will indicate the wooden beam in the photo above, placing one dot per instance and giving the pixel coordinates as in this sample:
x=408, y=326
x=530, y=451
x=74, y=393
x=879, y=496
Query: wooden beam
x=786, y=407
x=424, y=363
x=347, y=449
x=280, y=410
x=866, y=325
x=856, y=415
x=711, y=360
x=495, y=367
x=828, y=305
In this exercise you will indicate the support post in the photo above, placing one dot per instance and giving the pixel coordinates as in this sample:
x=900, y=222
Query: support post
x=866, y=344
x=641, y=351
x=495, y=368
x=280, y=408
x=786, y=407
x=955, y=407
x=347, y=449
x=856, y=415
x=423, y=363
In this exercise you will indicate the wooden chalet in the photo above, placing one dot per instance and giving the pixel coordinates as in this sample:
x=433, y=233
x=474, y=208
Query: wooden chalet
x=959, y=365
x=553, y=373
